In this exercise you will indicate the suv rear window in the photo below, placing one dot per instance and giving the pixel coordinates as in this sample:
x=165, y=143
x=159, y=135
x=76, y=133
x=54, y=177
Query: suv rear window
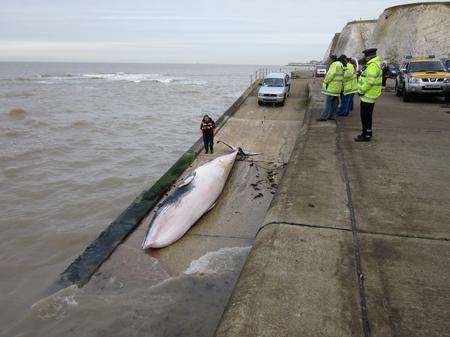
x=273, y=82
x=425, y=66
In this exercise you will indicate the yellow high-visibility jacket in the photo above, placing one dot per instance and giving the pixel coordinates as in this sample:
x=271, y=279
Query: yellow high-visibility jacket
x=332, y=83
x=369, y=84
x=350, y=81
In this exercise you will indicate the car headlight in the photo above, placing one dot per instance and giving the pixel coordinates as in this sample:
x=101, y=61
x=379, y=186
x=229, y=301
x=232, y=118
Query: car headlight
x=280, y=95
x=447, y=80
x=414, y=80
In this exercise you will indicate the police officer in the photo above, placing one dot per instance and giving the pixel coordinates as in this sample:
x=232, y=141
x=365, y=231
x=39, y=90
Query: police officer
x=332, y=87
x=369, y=89
x=350, y=87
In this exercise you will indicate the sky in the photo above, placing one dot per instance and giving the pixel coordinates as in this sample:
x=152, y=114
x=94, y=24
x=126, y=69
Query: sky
x=176, y=31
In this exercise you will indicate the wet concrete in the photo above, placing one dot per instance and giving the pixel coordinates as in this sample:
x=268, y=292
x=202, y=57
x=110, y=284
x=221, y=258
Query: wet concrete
x=182, y=290
x=356, y=240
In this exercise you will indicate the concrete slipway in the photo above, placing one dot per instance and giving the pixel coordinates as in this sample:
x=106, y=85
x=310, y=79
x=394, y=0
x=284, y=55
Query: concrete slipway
x=237, y=215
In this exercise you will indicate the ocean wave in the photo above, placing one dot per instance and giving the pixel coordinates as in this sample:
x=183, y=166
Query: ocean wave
x=17, y=94
x=220, y=261
x=118, y=76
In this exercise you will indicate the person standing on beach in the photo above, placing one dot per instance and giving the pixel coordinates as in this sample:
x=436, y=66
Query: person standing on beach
x=207, y=126
x=331, y=88
x=369, y=89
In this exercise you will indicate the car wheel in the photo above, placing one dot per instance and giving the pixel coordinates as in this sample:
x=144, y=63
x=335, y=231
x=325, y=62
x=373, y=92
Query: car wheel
x=260, y=103
x=406, y=96
x=447, y=98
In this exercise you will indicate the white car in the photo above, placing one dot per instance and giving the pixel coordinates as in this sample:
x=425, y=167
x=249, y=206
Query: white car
x=274, y=89
x=320, y=70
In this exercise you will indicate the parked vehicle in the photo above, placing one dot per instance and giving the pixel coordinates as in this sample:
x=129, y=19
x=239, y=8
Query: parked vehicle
x=320, y=70
x=422, y=76
x=392, y=71
x=274, y=89
x=447, y=64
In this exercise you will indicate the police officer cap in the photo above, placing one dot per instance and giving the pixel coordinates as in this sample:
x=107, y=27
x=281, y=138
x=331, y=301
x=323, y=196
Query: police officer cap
x=370, y=51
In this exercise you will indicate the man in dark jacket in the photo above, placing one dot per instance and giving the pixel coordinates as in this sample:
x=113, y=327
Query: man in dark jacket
x=208, y=126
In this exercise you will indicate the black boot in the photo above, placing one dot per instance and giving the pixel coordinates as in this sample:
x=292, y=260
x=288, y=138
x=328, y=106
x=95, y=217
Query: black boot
x=362, y=138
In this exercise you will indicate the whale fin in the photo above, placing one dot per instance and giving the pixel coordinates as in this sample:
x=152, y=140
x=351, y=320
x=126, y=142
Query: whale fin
x=188, y=179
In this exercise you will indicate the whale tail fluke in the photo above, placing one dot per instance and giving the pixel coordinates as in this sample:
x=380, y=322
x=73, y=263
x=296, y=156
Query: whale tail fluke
x=241, y=152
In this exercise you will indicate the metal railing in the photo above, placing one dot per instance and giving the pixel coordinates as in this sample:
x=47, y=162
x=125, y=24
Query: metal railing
x=260, y=73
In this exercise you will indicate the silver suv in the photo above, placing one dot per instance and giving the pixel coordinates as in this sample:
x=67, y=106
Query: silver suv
x=274, y=89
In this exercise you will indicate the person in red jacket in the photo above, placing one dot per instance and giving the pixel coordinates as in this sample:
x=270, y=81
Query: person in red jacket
x=208, y=126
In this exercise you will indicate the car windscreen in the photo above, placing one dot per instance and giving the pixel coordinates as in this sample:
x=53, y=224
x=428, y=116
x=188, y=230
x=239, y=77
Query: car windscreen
x=273, y=82
x=425, y=66
x=392, y=67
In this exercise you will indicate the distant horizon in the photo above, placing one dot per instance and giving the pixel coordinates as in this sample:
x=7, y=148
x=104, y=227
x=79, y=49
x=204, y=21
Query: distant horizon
x=174, y=63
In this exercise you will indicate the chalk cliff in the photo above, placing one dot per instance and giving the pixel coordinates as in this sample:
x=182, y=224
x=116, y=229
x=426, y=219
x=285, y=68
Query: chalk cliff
x=415, y=29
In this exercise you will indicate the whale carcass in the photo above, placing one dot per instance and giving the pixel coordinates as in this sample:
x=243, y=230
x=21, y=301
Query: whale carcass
x=195, y=196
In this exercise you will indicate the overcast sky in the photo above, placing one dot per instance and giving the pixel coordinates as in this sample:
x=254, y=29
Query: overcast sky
x=180, y=31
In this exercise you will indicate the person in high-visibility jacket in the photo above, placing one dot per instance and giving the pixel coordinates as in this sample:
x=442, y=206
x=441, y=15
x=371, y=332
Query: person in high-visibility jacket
x=350, y=87
x=369, y=89
x=332, y=87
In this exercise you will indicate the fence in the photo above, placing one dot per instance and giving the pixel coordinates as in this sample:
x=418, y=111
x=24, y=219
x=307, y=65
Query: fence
x=263, y=72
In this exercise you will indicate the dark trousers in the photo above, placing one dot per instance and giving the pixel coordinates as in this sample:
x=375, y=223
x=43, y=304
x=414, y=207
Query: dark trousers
x=366, y=118
x=208, y=141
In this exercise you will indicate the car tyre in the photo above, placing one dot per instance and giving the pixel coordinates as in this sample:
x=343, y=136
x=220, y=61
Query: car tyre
x=260, y=103
x=447, y=98
x=406, y=96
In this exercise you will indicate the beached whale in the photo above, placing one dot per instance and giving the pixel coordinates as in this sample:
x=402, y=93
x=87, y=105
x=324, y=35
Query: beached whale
x=195, y=196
